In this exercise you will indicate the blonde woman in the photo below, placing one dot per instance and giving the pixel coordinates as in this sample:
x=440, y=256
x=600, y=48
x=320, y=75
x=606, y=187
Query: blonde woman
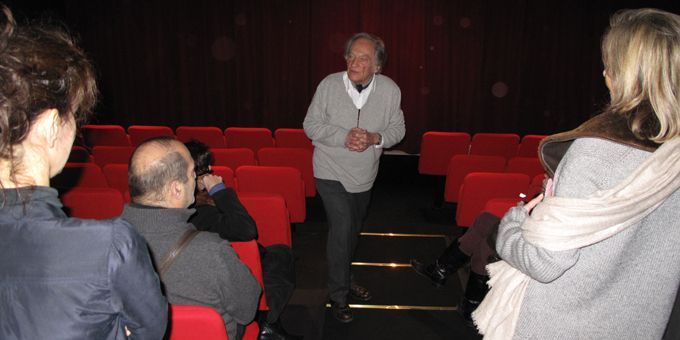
x=60, y=277
x=600, y=259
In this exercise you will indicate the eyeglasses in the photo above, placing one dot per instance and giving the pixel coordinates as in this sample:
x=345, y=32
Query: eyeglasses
x=363, y=60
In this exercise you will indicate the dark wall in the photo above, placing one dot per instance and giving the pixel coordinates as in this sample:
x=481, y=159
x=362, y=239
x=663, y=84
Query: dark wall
x=525, y=66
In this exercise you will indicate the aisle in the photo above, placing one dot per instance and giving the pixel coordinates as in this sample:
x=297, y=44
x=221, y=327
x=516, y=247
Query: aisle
x=404, y=305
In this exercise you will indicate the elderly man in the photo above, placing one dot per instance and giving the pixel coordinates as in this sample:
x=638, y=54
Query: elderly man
x=207, y=271
x=353, y=115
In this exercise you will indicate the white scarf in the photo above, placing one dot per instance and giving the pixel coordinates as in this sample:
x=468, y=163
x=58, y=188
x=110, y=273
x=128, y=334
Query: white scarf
x=560, y=223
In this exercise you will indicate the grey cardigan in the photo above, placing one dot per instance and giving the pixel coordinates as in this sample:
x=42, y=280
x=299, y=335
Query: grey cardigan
x=620, y=288
x=330, y=117
x=207, y=272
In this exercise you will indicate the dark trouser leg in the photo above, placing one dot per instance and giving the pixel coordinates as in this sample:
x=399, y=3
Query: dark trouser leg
x=345, y=212
x=278, y=271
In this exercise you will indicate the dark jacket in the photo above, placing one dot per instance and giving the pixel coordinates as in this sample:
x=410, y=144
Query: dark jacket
x=67, y=278
x=207, y=272
x=228, y=218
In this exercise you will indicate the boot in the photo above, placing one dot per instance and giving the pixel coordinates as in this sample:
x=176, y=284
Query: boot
x=447, y=264
x=475, y=291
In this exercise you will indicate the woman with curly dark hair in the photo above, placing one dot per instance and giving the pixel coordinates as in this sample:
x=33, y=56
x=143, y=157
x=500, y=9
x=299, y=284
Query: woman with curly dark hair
x=62, y=278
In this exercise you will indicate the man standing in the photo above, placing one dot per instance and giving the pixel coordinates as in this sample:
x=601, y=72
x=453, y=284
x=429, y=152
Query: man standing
x=353, y=115
x=207, y=271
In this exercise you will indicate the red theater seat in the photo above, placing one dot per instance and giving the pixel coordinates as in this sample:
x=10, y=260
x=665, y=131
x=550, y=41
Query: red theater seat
x=271, y=216
x=285, y=181
x=233, y=158
x=139, y=133
x=499, y=206
x=252, y=138
x=84, y=175
x=249, y=254
x=494, y=144
x=529, y=145
x=526, y=165
x=95, y=203
x=298, y=158
x=292, y=138
x=461, y=165
x=189, y=322
x=109, y=135
x=112, y=154
x=117, y=177
x=437, y=148
x=479, y=187
x=208, y=135
x=79, y=154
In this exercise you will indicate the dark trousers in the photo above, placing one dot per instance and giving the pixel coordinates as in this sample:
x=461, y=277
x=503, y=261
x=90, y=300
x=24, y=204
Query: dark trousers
x=345, y=213
x=278, y=274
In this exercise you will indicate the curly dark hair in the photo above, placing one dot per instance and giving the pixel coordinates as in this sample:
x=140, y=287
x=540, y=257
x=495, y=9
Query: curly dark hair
x=41, y=68
x=202, y=156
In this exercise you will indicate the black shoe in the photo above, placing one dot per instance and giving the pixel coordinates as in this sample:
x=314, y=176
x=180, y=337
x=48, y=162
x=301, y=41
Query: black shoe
x=274, y=331
x=341, y=312
x=436, y=273
x=359, y=292
x=475, y=291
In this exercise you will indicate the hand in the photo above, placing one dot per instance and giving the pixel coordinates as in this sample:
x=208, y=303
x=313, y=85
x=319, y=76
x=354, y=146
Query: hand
x=209, y=181
x=533, y=203
x=359, y=139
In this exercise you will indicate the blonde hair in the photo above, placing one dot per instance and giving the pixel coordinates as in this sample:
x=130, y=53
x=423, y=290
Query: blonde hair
x=641, y=56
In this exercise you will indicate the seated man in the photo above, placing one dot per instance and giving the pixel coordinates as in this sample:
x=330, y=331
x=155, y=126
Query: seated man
x=207, y=271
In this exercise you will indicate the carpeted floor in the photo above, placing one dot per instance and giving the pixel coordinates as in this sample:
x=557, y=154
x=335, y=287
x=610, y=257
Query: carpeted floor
x=404, y=305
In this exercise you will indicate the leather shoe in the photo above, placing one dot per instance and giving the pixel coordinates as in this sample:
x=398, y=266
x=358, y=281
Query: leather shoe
x=434, y=272
x=274, y=331
x=341, y=312
x=359, y=292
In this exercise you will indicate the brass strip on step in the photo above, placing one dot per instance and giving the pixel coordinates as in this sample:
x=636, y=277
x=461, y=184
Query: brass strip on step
x=403, y=235
x=374, y=264
x=399, y=307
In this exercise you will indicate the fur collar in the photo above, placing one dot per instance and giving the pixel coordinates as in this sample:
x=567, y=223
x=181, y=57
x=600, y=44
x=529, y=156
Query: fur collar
x=609, y=126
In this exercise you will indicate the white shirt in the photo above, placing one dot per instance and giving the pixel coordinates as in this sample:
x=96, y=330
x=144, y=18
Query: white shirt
x=359, y=98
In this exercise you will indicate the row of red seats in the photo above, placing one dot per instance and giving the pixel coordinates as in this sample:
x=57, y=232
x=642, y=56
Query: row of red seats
x=299, y=158
x=253, y=138
x=437, y=148
x=282, y=180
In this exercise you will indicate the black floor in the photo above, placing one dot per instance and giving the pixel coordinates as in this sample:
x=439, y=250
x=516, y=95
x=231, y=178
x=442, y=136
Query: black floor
x=404, y=305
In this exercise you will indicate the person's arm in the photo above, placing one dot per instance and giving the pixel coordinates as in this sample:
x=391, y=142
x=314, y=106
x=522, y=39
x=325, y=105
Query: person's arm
x=581, y=173
x=239, y=289
x=316, y=123
x=135, y=287
x=228, y=217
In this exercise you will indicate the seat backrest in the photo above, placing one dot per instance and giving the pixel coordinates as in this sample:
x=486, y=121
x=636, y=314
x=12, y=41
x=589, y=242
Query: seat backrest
x=112, y=154
x=227, y=175
x=285, y=181
x=480, y=187
x=499, y=206
x=529, y=145
x=252, y=138
x=271, y=216
x=494, y=144
x=84, y=175
x=117, y=176
x=96, y=203
x=110, y=135
x=461, y=165
x=437, y=148
x=298, y=158
x=209, y=135
x=249, y=254
x=139, y=133
x=526, y=165
x=536, y=186
x=233, y=157
x=79, y=154
x=188, y=322
x=292, y=138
